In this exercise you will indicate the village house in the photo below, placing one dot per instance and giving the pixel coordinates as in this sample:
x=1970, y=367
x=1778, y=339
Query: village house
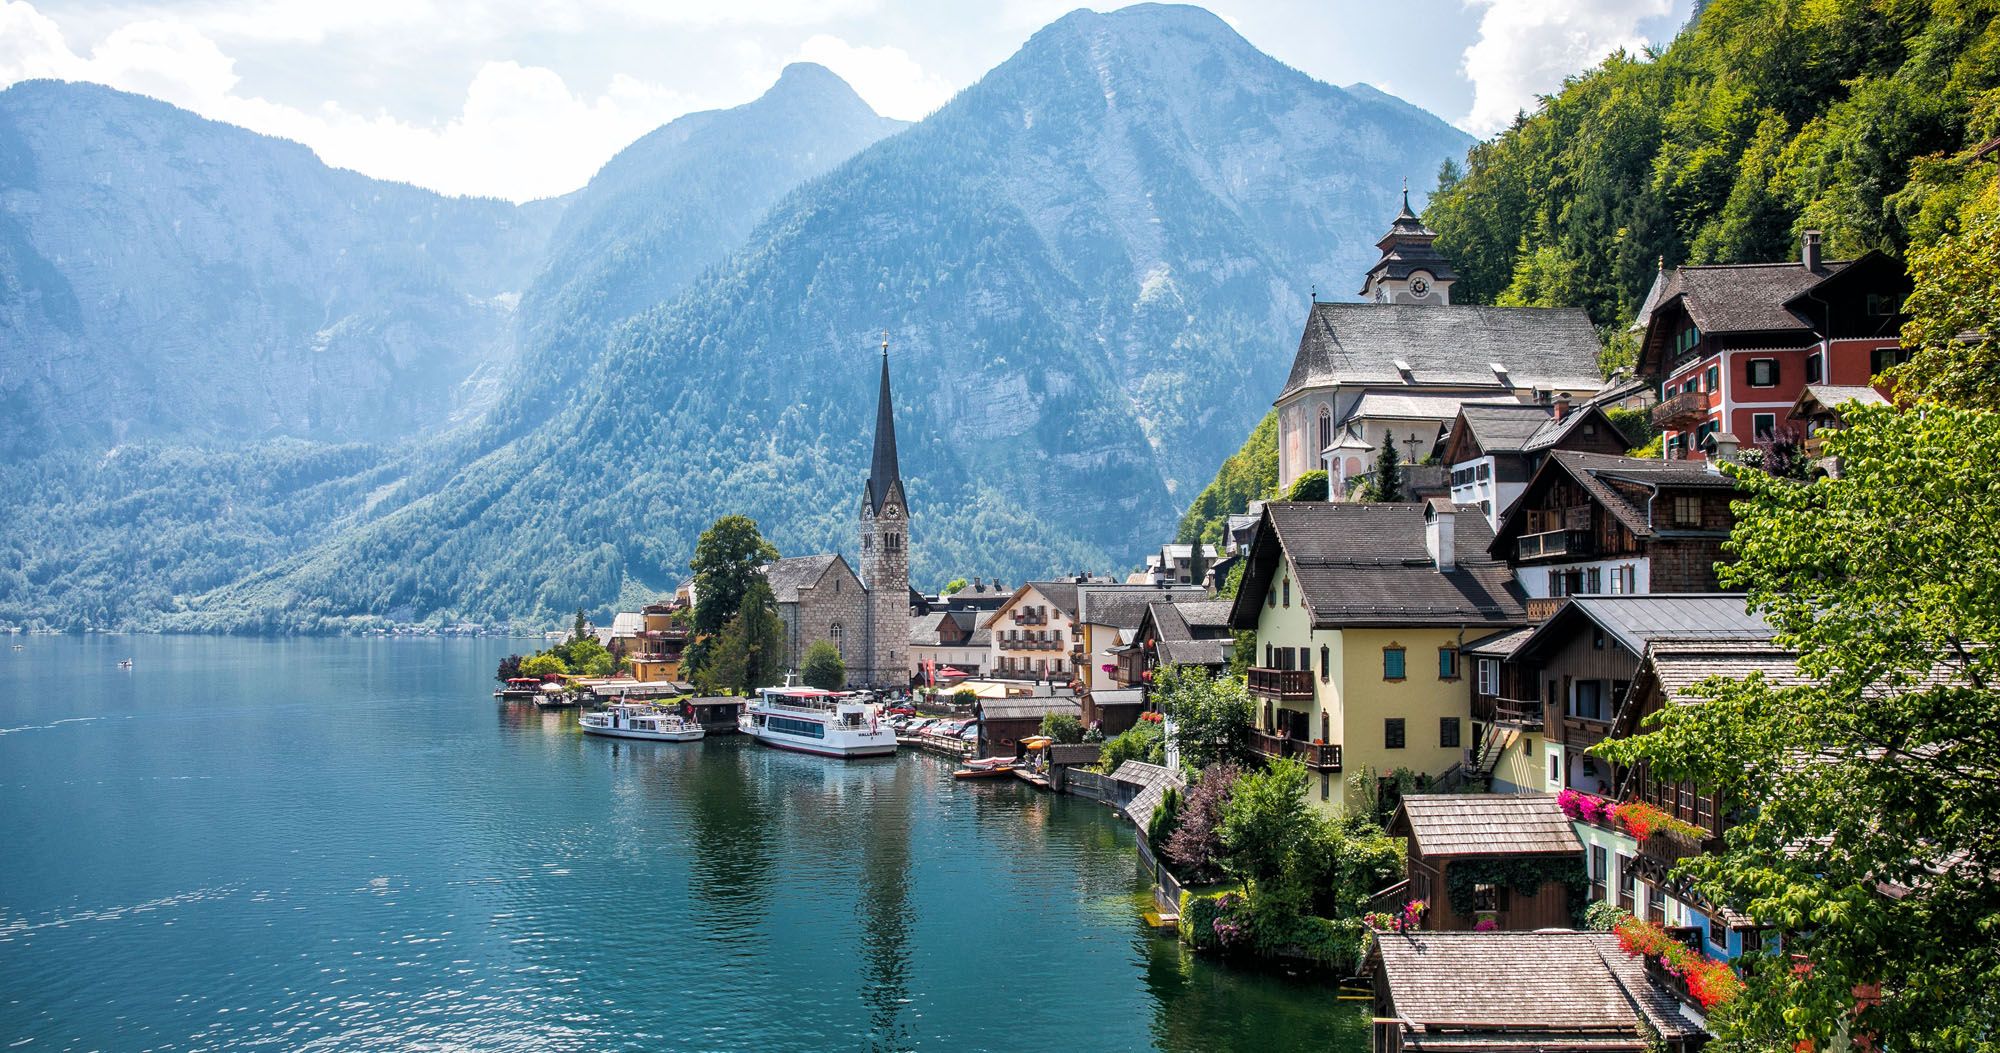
x=947, y=640
x=1465, y=855
x=1400, y=366
x=1735, y=344
x=1107, y=616
x=1596, y=523
x=1034, y=631
x=1522, y=992
x=1192, y=635
x=1175, y=564
x=654, y=652
x=1818, y=411
x=1359, y=612
x=1004, y=722
x=1492, y=449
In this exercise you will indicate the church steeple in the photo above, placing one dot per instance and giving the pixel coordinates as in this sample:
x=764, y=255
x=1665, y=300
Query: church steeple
x=885, y=479
x=1411, y=269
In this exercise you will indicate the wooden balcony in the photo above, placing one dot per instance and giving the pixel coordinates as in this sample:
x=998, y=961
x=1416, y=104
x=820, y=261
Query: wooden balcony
x=1544, y=608
x=1030, y=618
x=1318, y=756
x=1555, y=544
x=1281, y=685
x=1582, y=732
x=1525, y=714
x=1681, y=411
x=1667, y=847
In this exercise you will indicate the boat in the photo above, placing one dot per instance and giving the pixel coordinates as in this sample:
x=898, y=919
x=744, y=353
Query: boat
x=125, y=663
x=641, y=720
x=811, y=720
x=552, y=696
x=986, y=768
x=519, y=689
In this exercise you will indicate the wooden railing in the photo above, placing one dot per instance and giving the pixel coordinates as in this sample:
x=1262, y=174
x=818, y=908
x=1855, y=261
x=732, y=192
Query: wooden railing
x=1686, y=407
x=1543, y=608
x=1284, y=685
x=1583, y=732
x=1523, y=713
x=1552, y=543
x=1319, y=756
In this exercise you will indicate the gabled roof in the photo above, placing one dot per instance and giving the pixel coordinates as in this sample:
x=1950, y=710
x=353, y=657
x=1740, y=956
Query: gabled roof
x=1029, y=706
x=1191, y=633
x=1060, y=594
x=1487, y=824
x=1360, y=564
x=1450, y=345
x=627, y=623
x=1595, y=472
x=1153, y=781
x=1635, y=622
x=924, y=628
x=1484, y=429
x=1744, y=297
x=1828, y=398
x=1123, y=606
x=787, y=576
x=1552, y=983
x=1498, y=645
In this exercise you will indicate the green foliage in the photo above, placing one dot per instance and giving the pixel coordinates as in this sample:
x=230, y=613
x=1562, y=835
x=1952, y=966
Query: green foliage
x=964, y=696
x=1761, y=119
x=823, y=667
x=1165, y=819
x=1525, y=875
x=1195, y=848
x=1144, y=741
x=1249, y=474
x=1265, y=822
x=1954, y=310
x=1234, y=583
x=1636, y=425
x=543, y=665
x=1604, y=915
x=727, y=558
x=749, y=652
x=1308, y=487
x=510, y=668
x=1243, y=648
x=1212, y=718
x=1886, y=582
x=955, y=586
x=584, y=656
x=1387, y=483
x=1062, y=727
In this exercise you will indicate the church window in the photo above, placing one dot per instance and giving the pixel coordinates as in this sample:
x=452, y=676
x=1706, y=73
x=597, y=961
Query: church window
x=1325, y=428
x=836, y=632
x=867, y=543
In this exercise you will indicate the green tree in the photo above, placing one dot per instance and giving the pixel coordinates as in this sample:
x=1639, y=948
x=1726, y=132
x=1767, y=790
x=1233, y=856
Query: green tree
x=728, y=556
x=1865, y=794
x=581, y=628
x=1387, y=485
x=1145, y=741
x=1308, y=487
x=1211, y=718
x=1250, y=474
x=1062, y=727
x=823, y=667
x=1198, y=564
x=1954, y=311
x=954, y=586
x=1265, y=822
x=749, y=652
x=543, y=665
x=583, y=654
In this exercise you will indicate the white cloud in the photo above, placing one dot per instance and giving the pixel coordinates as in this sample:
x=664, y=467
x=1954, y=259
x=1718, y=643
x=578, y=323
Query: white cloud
x=1526, y=48
x=521, y=133
x=887, y=77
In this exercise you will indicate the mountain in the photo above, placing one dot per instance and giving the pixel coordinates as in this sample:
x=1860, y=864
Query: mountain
x=195, y=319
x=1090, y=265
x=163, y=276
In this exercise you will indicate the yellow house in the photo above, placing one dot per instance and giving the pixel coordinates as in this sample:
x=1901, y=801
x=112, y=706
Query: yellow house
x=1360, y=611
x=657, y=655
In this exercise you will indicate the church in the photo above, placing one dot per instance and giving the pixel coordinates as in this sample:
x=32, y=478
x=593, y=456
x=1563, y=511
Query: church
x=1397, y=367
x=865, y=615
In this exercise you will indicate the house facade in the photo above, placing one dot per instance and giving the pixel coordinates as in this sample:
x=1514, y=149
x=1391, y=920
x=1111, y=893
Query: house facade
x=1359, y=612
x=1032, y=632
x=1473, y=832
x=1734, y=345
x=1493, y=449
x=1592, y=523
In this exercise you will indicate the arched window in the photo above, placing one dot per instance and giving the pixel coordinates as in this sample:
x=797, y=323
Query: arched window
x=1325, y=432
x=835, y=631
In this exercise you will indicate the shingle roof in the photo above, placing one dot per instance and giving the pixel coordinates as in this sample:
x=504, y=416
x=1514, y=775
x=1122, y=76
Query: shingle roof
x=1527, y=982
x=1505, y=427
x=627, y=623
x=1455, y=344
x=1744, y=297
x=1595, y=471
x=787, y=576
x=1060, y=593
x=1194, y=633
x=1834, y=396
x=1680, y=664
x=1499, y=645
x=1480, y=824
x=1124, y=606
x=924, y=628
x=1153, y=782
x=1367, y=564
x=1030, y=706
x=1378, y=404
x=1637, y=621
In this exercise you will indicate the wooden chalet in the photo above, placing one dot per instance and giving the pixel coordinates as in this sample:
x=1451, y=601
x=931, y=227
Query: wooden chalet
x=1493, y=448
x=1448, y=830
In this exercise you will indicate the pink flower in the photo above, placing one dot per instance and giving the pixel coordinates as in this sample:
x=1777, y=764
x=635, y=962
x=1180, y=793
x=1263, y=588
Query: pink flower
x=1486, y=925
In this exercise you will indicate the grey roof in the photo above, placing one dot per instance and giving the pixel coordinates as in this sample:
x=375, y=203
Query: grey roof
x=924, y=628
x=885, y=479
x=1594, y=472
x=1451, y=345
x=627, y=623
x=787, y=576
x=1192, y=633
x=1834, y=396
x=1119, y=696
x=1153, y=782
x=1060, y=593
x=1637, y=621
x=1654, y=294
x=1743, y=297
x=981, y=637
x=1499, y=645
x=1483, y=824
x=1029, y=706
x=1504, y=427
x=1528, y=982
x=1376, y=405
x=1123, y=606
x=1366, y=564
x=1676, y=665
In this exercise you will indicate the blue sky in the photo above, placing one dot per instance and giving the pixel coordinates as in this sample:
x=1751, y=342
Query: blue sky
x=526, y=98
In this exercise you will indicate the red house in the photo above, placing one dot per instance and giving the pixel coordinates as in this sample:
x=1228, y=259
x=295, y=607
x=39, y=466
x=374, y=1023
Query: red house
x=1734, y=344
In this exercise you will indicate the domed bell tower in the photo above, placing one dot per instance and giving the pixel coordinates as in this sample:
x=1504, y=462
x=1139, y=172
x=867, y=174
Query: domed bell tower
x=885, y=553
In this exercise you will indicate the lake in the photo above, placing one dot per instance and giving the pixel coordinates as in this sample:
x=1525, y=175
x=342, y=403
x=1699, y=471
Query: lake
x=349, y=844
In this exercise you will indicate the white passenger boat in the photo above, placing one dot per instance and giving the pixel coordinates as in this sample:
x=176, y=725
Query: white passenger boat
x=633, y=720
x=810, y=720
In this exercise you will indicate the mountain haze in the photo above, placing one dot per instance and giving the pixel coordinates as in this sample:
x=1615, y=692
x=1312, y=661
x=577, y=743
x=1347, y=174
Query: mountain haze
x=1091, y=266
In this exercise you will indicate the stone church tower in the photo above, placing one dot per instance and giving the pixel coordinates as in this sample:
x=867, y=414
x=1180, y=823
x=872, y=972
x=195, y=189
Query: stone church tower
x=885, y=555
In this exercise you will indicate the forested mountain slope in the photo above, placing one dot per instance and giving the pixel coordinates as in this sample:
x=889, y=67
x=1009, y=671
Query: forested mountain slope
x=1086, y=265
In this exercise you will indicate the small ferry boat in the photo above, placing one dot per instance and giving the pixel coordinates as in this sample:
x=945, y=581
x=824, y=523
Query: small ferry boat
x=519, y=689
x=639, y=720
x=809, y=720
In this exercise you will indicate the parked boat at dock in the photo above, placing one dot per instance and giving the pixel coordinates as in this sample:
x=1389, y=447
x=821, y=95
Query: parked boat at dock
x=519, y=689
x=639, y=720
x=986, y=768
x=809, y=720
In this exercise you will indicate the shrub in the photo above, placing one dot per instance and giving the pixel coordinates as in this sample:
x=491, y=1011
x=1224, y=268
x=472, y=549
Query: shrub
x=543, y=666
x=1143, y=741
x=823, y=667
x=1604, y=916
x=1197, y=840
x=1165, y=819
x=1062, y=727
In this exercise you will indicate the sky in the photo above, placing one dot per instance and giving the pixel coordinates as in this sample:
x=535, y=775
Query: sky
x=522, y=99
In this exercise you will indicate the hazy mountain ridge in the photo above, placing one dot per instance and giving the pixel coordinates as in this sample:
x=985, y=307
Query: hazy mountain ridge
x=1091, y=264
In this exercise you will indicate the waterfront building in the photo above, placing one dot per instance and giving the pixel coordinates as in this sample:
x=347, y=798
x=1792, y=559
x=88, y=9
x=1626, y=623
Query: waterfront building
x=1400, y=366
x=1734, y=345
x=866, y=615
x=1004, y=722
x=948, y=639
x=1523, y=992
x=1594, y=523
x=1034, y=630
x=1185, y=634
x=1487, y=832
x=1360, y=611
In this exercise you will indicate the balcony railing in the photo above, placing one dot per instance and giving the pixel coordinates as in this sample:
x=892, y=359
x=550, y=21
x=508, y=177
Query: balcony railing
x=1030, y=618
x=1688, y=407
x=1583, y=732
x=1522, y=713
x=1544, y=608
x=1283, y=685
x=1552, y=544
x=1319, y=756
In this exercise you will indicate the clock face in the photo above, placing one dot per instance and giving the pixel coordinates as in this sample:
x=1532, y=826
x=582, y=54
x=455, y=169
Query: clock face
x=1420, y=286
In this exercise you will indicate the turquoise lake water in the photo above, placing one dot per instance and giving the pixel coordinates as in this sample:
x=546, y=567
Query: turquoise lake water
x=349, y=844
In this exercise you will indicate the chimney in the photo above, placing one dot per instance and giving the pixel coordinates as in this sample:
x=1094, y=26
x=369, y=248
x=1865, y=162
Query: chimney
x=1809, y=250
x=1562, y=405
x=1721, y=447
x=1440, y=532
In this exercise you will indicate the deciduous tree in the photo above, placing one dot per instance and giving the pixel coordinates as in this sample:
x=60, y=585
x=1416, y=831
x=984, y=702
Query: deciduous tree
x=1211, y=718
x=823, y=667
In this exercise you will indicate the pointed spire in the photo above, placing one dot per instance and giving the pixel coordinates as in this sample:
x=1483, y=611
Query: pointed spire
x=883, y=474
x=1406, y=199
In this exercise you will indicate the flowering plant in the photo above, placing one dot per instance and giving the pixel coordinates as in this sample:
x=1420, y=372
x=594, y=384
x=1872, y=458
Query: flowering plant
x=1413, y=912
x=1486, y=925
x=1643, y=821
x=1587, y=807
x=1712, y=983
